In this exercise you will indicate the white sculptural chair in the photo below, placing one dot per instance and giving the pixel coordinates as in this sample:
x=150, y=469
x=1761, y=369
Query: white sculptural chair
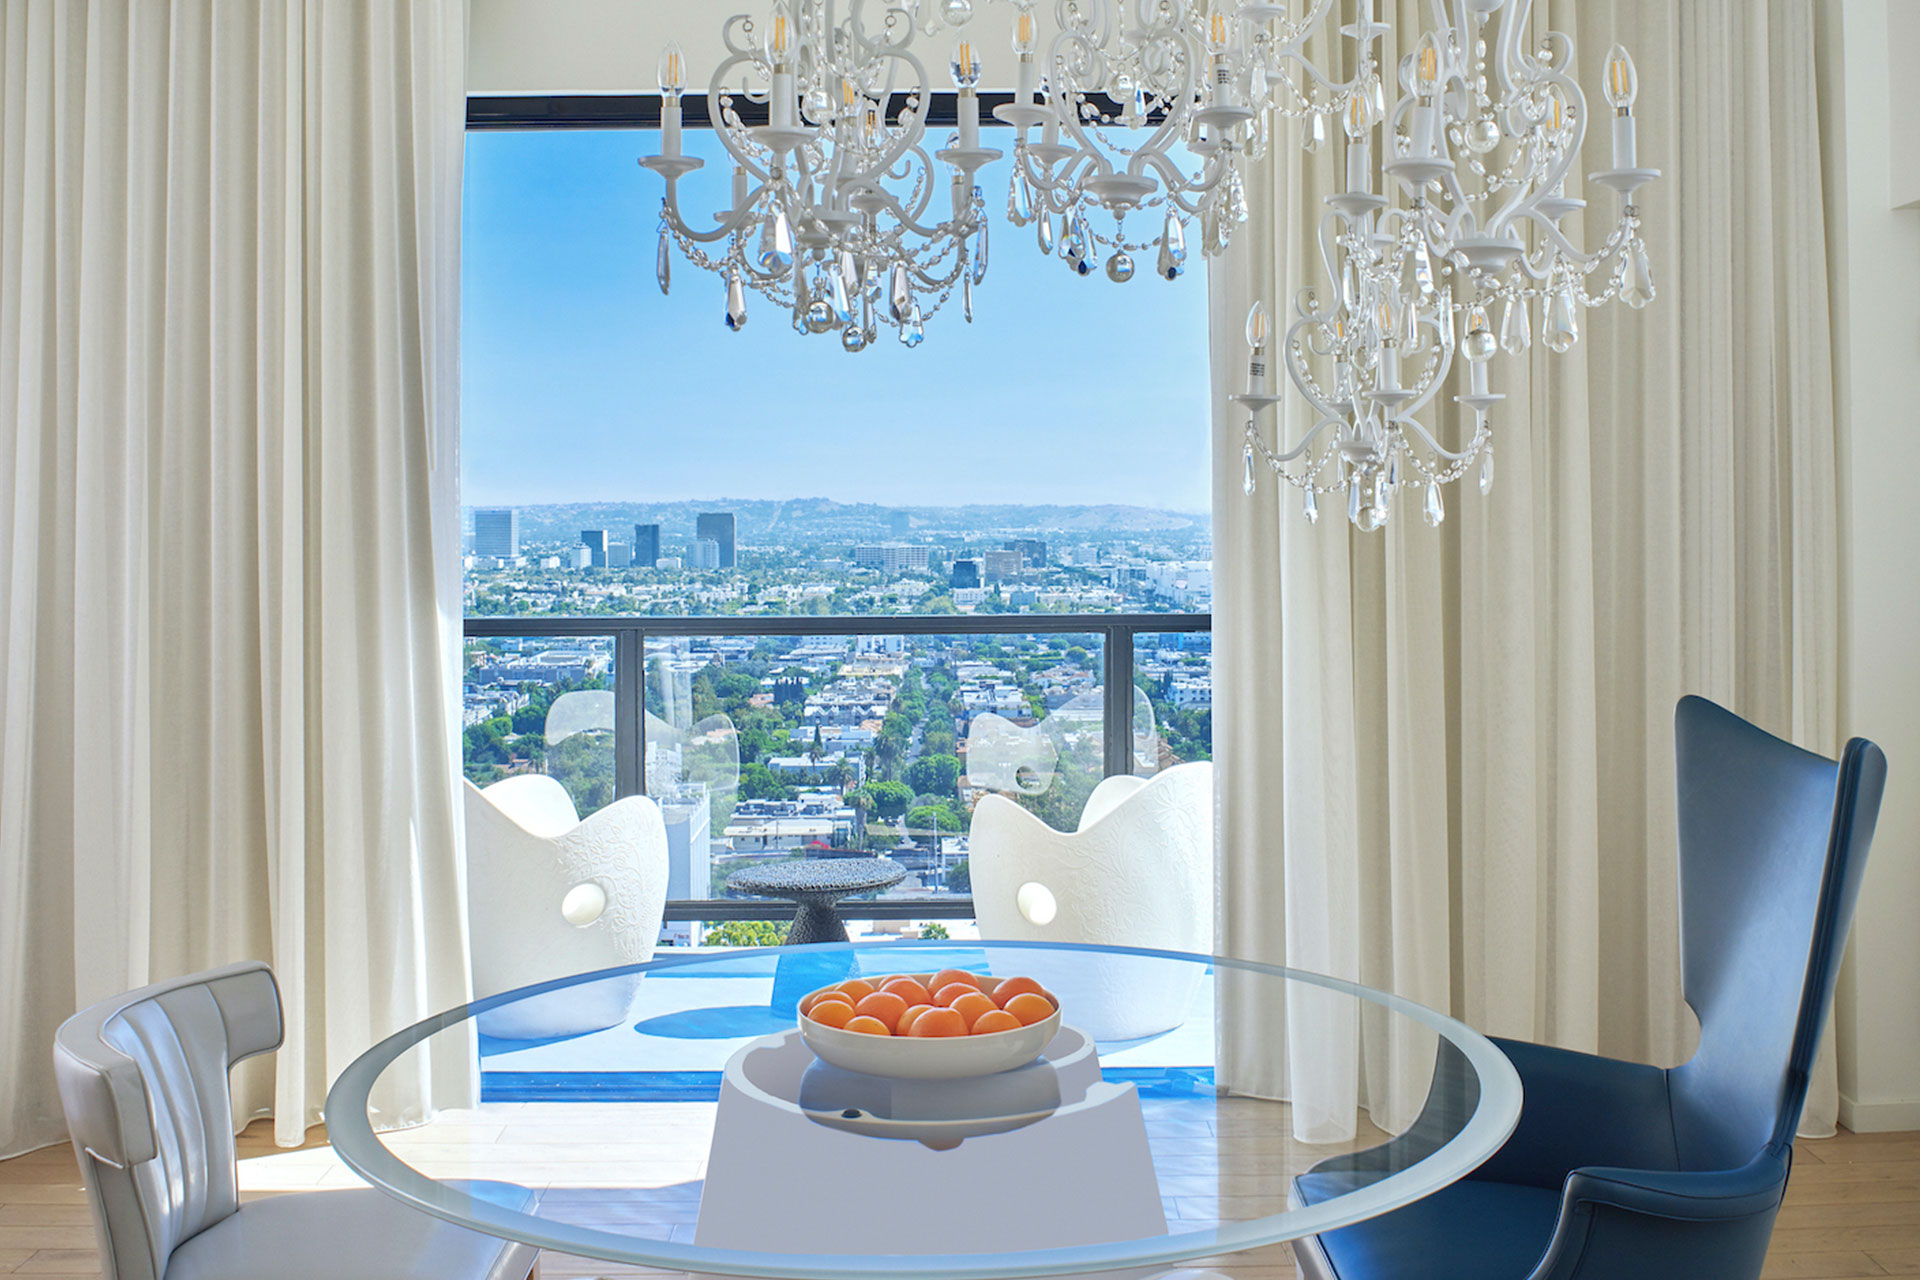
x=1137, y=873
x=551, y=895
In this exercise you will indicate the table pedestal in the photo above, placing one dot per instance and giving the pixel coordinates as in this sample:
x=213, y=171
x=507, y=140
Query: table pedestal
x=1050, y=1154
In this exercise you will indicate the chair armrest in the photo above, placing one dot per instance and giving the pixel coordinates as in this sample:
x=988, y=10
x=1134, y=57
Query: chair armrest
x=1582, y=1110
x=1663, y=1223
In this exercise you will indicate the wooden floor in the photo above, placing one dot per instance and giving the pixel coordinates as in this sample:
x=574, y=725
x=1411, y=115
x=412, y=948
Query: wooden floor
x=1853, y=1209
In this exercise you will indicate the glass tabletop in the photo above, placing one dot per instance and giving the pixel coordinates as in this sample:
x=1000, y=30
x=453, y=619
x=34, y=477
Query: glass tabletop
x=699, y=1131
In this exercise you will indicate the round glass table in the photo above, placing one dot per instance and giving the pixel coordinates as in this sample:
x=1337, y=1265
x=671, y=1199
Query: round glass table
x=702, y=1135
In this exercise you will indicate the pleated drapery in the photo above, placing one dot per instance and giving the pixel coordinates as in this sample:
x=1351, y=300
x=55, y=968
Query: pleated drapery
x=1447, y=765
x=229, y=597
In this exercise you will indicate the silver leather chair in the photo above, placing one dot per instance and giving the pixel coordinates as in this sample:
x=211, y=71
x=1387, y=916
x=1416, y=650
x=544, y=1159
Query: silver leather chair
x=143, y=1079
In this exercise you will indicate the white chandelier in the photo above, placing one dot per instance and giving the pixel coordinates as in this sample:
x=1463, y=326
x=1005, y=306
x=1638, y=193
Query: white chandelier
x=833, y=208
x=1474, y=153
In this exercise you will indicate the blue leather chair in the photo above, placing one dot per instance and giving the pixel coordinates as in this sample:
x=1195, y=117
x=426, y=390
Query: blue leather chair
x=1623, y=1171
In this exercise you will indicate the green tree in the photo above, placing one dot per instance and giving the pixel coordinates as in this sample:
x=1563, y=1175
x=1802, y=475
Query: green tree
x=936, y=817
x=933, y=930
x=960, y=877
x=937, y=775
x=889, y=799
x=757, y=782
x=745, y=933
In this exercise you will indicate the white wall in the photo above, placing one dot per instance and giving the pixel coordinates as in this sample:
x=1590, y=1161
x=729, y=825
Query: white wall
x=1877, y=365
x=613, y=46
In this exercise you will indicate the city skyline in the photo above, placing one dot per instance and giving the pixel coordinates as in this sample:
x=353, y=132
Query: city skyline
x=581, y=383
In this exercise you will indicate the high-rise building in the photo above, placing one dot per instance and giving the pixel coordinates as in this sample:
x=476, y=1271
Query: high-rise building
x=966, y=574
x=892, y=559
x=1033, y=552
x=496, y=532
x=996, y=565
x=703, y=553
x=718, y=526
x=619, y=555
x=646, y=546
x=595, y=541
x=900, y=523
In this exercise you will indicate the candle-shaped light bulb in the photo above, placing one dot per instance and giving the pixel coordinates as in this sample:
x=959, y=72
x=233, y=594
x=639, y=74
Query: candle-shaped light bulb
x=1354, y=118
x=1426, y=67
x=779, y=34
x=673, y=71
x=1259, y=328
x=1556, y=110
x=1620, y=85
x=1257, y=335
x=1023, y=33
x=1479, y=344
x=965, y=65
x=1219, y=32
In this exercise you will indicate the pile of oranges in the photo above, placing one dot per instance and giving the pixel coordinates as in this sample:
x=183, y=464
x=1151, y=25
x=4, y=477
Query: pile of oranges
x=951, y=1002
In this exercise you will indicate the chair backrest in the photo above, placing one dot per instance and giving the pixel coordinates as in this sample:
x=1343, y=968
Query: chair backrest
x=1773, y=840
x=143, y=1080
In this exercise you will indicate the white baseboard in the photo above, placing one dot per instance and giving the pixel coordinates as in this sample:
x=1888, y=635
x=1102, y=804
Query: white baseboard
x=1879, y=1117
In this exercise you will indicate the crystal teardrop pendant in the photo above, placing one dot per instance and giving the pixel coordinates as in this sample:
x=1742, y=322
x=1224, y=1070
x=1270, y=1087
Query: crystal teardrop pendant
x=842, y=308
x=820, y=316
x=1516, y=331
x=1355, y=499
x=1636, y=280
x=899, y=293
x=1043, y=232
x=1435, y=511
x=776, y=243
x=1165, y=267
x=663, y=264
x=849, y=272
x=1173, y=239
x=913, y=332
x=1248, y=485
x=966, y=298
x=1313, y=137
x=1563, y=326
x=980, y=253
x=1422, y=269
x=736, y=302
x=1080, y=238
x=1393, y=472
x=1236, y=197
x=853, y=339
x=1019, y=202
x=1486, y=473
x=801, y=317
x=1310, y=505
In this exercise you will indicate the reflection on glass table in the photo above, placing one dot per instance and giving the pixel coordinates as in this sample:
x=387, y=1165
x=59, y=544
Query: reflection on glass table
x=707, y=1138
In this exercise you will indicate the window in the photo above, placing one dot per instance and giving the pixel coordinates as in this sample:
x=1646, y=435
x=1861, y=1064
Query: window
x=815, y=601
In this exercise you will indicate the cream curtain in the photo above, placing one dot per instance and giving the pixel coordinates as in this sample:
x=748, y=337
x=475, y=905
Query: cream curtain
x=229, y=268
x=1447, y=767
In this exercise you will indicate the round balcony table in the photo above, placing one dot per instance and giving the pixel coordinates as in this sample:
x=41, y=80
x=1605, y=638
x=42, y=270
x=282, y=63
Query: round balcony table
x=702, y=1136
x=816, y=887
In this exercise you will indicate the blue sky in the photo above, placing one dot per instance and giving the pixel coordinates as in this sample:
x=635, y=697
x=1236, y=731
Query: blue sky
x=582, y=383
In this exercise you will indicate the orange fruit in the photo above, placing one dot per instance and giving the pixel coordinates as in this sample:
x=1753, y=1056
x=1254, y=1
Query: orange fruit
x=832, y=1013
x=867, y=1025
x=909, y=989
x=1011, y=987
x=856, y=989
x=946, y=976
x=939, y=1022
x=883, y=1005
x=1030, y=1008
x=994, y=1020
x=971, y=1005
x=907, y=1019
x=944, y=996
x=825, y=993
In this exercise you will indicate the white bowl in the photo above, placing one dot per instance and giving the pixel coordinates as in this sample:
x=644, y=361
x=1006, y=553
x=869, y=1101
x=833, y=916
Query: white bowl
x=932, y=1057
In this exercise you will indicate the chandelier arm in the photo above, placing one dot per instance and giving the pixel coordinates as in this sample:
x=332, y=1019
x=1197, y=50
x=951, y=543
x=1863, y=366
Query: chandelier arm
x=1306, y=441
x=735, y=222
x=1299, y=376
x=1407, y=424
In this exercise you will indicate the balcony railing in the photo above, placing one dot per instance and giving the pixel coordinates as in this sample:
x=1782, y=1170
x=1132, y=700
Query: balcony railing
x=632, y=635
